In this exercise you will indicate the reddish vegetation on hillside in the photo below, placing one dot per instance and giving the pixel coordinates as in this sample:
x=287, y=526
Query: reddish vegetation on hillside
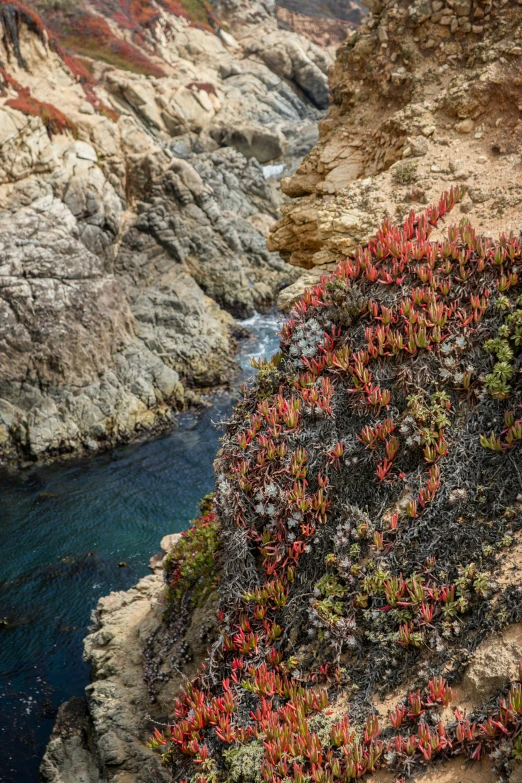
x=75, y=30
x=366, y=486
x=139, y=15
x=91, y=36
x=83, y=32
x=12, y=15
x=54, y=120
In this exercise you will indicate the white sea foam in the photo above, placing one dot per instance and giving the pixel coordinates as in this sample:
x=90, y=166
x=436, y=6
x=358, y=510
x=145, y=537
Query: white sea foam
x=273, y=170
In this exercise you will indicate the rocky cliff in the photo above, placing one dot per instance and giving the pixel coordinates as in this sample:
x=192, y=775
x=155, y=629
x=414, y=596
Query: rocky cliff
x=424, y=96
x=135, y=207
x=367, y=516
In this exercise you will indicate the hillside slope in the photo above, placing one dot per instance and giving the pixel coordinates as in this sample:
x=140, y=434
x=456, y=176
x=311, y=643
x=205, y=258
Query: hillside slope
x=423, y=97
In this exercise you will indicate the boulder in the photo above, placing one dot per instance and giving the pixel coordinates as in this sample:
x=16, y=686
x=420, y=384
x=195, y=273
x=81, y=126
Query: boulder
x=253, y=142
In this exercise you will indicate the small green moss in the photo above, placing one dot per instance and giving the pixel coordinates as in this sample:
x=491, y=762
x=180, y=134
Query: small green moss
x=245, y=762
x=190, y=566
x=405, y=173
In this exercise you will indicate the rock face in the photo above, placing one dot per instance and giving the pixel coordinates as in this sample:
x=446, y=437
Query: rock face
x=134, y=209
x=134, y=661
x=322, y=31
x=352, y=11
x=69, y=754
x=420, y=102
x=211, y=212
x=105, y=740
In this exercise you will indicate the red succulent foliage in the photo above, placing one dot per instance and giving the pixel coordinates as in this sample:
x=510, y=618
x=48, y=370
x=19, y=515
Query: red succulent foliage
x=87, y=34
x=279, y=496
x=205, y=86
x=54, y=120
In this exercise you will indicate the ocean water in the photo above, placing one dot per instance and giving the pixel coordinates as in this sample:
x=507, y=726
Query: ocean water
x=65, y=529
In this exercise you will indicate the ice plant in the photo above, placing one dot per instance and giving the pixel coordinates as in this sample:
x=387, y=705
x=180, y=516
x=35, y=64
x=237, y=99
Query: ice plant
x=338, y=480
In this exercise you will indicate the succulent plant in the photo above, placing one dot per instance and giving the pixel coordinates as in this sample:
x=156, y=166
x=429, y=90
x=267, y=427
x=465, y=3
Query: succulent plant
x=341, y=483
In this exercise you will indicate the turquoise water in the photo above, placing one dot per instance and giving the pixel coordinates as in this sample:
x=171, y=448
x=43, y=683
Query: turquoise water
x=64, y=529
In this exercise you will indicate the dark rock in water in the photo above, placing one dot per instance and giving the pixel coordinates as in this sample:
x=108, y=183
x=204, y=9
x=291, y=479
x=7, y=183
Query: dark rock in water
x=69, y=756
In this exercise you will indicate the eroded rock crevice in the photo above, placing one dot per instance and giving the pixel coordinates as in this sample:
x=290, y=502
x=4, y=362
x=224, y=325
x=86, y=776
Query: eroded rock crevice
x=135, y=210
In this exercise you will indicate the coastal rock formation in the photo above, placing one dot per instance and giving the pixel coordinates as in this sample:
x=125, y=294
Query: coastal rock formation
x=422, y=99
x=134, y=207
x=365, y=540
x=90, y=741
x=368, y=508
x=352, y=11
x=138, y=665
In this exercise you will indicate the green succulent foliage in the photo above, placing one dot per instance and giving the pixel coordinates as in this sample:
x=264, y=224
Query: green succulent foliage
x=517, y=749
x=503, y=348
x=330, y=607
x=190, y=566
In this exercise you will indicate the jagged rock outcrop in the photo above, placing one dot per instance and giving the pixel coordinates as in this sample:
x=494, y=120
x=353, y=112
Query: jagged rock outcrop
x=70, y=368
x=69, y=755
x=138, y=666
x=325, y=32
x=352, y=11
x=211, y=212
x=421, y=100
x=135, y=208
x=109, y=742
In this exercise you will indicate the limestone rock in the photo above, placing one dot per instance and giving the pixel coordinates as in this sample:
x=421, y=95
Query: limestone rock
x=25, y=146
x=494, y=664
x=200, y=218
x=72, y=369
x=254, y=141
x=167, y=542
x=292, y=293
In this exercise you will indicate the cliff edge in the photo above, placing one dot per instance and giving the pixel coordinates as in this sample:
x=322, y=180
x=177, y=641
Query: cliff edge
x=424, y=96
x=134, y=206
